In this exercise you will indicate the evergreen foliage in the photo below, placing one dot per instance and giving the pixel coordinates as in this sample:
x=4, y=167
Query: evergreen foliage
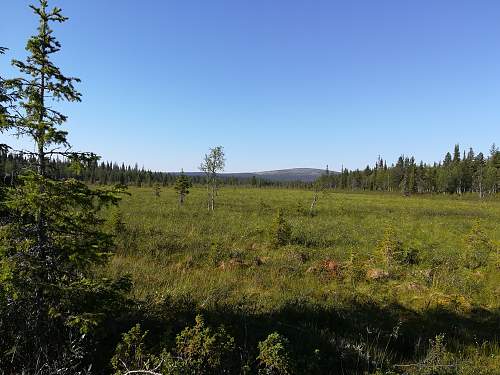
x=182, y=185
x=205, y=350
x=5, y=102
x=454, y=175
x=281, y=230
x=51, y=236
x=471, y=174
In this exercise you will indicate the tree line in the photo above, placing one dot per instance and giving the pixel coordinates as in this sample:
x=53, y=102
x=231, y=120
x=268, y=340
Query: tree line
x=458, y=172
x=109, y=173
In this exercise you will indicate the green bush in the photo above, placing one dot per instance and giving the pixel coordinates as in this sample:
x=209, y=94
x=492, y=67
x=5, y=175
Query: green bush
x=390, y=247
x=217, y=253
x=392, y=251
x=281, y=231
x=130, y=353
x=205, y=350
x=199, y=350
x=116, y=221
x=274, y=355
x=478, y=247
x=355, y=268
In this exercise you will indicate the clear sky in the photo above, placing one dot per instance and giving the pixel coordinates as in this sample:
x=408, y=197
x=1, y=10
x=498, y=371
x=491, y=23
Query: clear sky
x=280, y=84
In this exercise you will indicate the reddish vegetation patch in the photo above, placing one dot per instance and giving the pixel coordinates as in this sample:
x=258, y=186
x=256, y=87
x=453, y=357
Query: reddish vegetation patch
x=333, y=267
x=330, y=268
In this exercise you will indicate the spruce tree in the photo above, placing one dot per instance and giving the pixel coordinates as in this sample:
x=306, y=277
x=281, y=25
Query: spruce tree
x=492, y=175
x=479, y=167
x=5, y=100
x=51, y=237
x=281, y=231
x=3, y=95
x=182, y=186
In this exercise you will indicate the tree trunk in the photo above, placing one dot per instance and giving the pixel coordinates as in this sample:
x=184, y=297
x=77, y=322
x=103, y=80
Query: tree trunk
x=313, y=203
x=40, y=134
x=208, y=193
x=212, y=200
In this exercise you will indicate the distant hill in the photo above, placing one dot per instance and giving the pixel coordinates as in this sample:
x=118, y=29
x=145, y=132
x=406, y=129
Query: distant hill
x=294, y=174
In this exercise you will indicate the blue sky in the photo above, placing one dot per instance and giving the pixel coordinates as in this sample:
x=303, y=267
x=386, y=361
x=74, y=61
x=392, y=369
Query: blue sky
x=282, y=83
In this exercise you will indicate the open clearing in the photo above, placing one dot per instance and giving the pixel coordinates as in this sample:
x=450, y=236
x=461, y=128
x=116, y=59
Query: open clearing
x=331, y=282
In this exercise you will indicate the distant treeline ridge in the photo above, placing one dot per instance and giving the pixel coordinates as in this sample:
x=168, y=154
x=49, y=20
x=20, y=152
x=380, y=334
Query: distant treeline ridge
x=458, y=172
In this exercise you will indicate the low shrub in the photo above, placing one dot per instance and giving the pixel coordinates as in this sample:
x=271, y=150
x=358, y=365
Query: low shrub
x=281, y=231
x=390, y=248
x=478, y=247
x=393, y=253
x=131, y=354
x=217, y=253
x=205, y=350
x=116, y=222
x=274, y=356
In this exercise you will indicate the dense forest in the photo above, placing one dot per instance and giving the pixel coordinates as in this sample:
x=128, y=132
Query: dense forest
x=457, y=173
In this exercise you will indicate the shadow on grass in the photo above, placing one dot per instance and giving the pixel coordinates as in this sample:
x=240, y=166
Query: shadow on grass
x=352, y=339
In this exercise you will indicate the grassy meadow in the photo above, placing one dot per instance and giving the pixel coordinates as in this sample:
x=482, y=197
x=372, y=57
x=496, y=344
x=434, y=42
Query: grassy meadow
x=331, y=288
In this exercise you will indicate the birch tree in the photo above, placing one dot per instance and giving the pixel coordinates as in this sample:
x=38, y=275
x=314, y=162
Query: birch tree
x=319, y=186
x=213, y=163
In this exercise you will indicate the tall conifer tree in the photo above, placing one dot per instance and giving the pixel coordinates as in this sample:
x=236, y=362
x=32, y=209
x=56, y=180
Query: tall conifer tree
x=52, y=237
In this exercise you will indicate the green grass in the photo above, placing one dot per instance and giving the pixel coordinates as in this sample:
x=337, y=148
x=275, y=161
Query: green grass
x=169, y=251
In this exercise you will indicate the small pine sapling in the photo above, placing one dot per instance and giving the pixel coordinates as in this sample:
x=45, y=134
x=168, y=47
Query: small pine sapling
x=281, y=231
x=157, y=190
x=182, y=185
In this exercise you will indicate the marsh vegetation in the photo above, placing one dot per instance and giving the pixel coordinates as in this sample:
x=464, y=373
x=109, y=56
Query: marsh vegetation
x=366, y=283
